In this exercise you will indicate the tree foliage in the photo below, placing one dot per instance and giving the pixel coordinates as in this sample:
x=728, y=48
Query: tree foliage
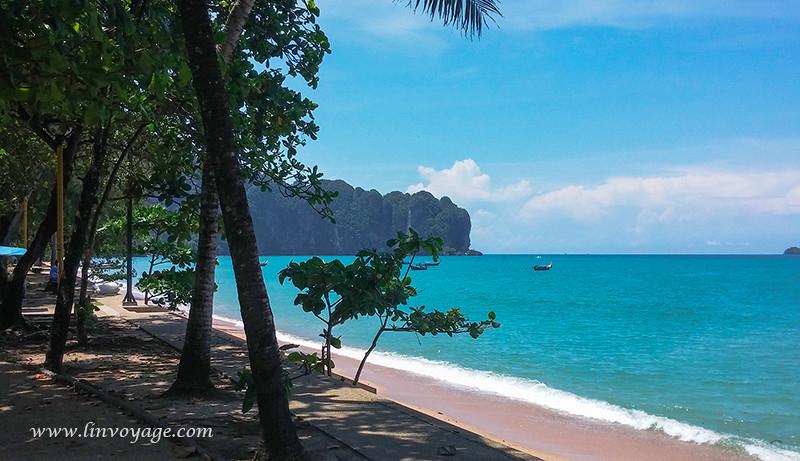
x=26, y=165
x=375, y=284
x=164, y=236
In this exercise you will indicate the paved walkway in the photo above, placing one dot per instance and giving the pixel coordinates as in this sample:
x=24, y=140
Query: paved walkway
x=376, y=428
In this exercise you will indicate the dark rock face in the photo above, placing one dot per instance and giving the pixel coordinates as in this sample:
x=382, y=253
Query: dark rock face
x=364, y=219
x=792, y=251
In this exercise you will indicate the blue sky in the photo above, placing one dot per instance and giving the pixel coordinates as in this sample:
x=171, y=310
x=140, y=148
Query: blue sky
x=604, y=126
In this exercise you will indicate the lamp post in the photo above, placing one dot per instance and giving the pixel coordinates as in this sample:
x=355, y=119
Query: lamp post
x=58, y=131
x=129, y=300
x=59, y=209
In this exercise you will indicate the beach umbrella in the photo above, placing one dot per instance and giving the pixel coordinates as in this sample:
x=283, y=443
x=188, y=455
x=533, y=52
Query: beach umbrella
x=12, y=251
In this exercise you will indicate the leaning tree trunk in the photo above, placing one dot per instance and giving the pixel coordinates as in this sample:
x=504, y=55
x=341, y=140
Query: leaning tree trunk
x=11, y=309
x=77, y=243
x=278, y=431
x=371, y=348
x=194, y=368
x=195, y=365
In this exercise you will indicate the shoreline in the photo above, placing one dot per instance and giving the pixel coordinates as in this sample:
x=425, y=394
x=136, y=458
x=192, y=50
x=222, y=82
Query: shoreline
x=532, y=428
x=558, y=433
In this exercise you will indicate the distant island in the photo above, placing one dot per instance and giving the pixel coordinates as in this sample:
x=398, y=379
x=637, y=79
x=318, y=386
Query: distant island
x=792, y=251
x=364, y=219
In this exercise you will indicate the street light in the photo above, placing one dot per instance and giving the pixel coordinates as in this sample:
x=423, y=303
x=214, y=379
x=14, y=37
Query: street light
x=58, y=130
x=129, y=300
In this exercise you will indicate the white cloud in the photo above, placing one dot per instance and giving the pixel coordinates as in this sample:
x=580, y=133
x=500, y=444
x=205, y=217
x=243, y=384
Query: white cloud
x=688, y=196
x=464, y=182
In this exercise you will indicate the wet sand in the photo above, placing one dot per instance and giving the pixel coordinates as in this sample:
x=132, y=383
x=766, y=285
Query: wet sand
x=537, y=430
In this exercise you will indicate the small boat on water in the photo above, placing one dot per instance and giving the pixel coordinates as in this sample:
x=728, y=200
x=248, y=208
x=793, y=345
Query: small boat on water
x=263, y=263
x=431, y=264
x=543, y=268
x=419, y=267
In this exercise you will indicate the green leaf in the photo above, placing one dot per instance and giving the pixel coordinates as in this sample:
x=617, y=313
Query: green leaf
x=296, y=357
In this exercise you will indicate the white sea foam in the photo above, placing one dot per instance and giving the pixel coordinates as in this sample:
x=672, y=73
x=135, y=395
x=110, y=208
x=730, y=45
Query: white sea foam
x=238, y=323
x=768, y=452
x=540, y=394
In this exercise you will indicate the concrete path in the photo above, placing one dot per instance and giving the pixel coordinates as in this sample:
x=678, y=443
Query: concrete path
x=377, y=428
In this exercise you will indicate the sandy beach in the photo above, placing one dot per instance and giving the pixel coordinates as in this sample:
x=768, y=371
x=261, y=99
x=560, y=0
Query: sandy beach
x=530, y=428
x=527, y=427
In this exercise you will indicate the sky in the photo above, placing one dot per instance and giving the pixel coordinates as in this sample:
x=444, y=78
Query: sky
x=584, y=126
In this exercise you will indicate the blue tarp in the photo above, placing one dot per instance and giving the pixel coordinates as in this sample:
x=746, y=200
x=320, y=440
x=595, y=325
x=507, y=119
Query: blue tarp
x=12, y=251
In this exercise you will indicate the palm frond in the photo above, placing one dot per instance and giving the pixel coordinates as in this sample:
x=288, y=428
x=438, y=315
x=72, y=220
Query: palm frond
x=470, y=16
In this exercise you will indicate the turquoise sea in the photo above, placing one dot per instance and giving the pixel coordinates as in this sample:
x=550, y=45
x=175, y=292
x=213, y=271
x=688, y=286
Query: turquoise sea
x=704, y=348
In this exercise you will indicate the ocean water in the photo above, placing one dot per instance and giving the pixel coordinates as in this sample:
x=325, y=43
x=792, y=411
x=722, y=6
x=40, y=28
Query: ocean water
x=704, y=348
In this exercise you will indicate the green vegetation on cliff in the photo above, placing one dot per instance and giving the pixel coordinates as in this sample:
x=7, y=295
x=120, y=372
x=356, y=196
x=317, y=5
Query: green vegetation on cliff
x=364, y=219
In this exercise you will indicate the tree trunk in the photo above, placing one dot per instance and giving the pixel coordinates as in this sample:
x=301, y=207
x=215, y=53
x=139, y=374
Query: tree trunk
x=328, y=359
x=83, y=300
x=3, y=275
x=369, y=351
x=195, y=365
x=11, y=310
x=149, y=268
x=234, y=26
x=278, y=432
x=77, y=244
x=8, y=229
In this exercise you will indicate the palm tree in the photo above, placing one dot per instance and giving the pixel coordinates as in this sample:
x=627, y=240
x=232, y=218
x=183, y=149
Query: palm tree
x=195, y=364
x=278, y=432
x=468, y=16
x=194, y=368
